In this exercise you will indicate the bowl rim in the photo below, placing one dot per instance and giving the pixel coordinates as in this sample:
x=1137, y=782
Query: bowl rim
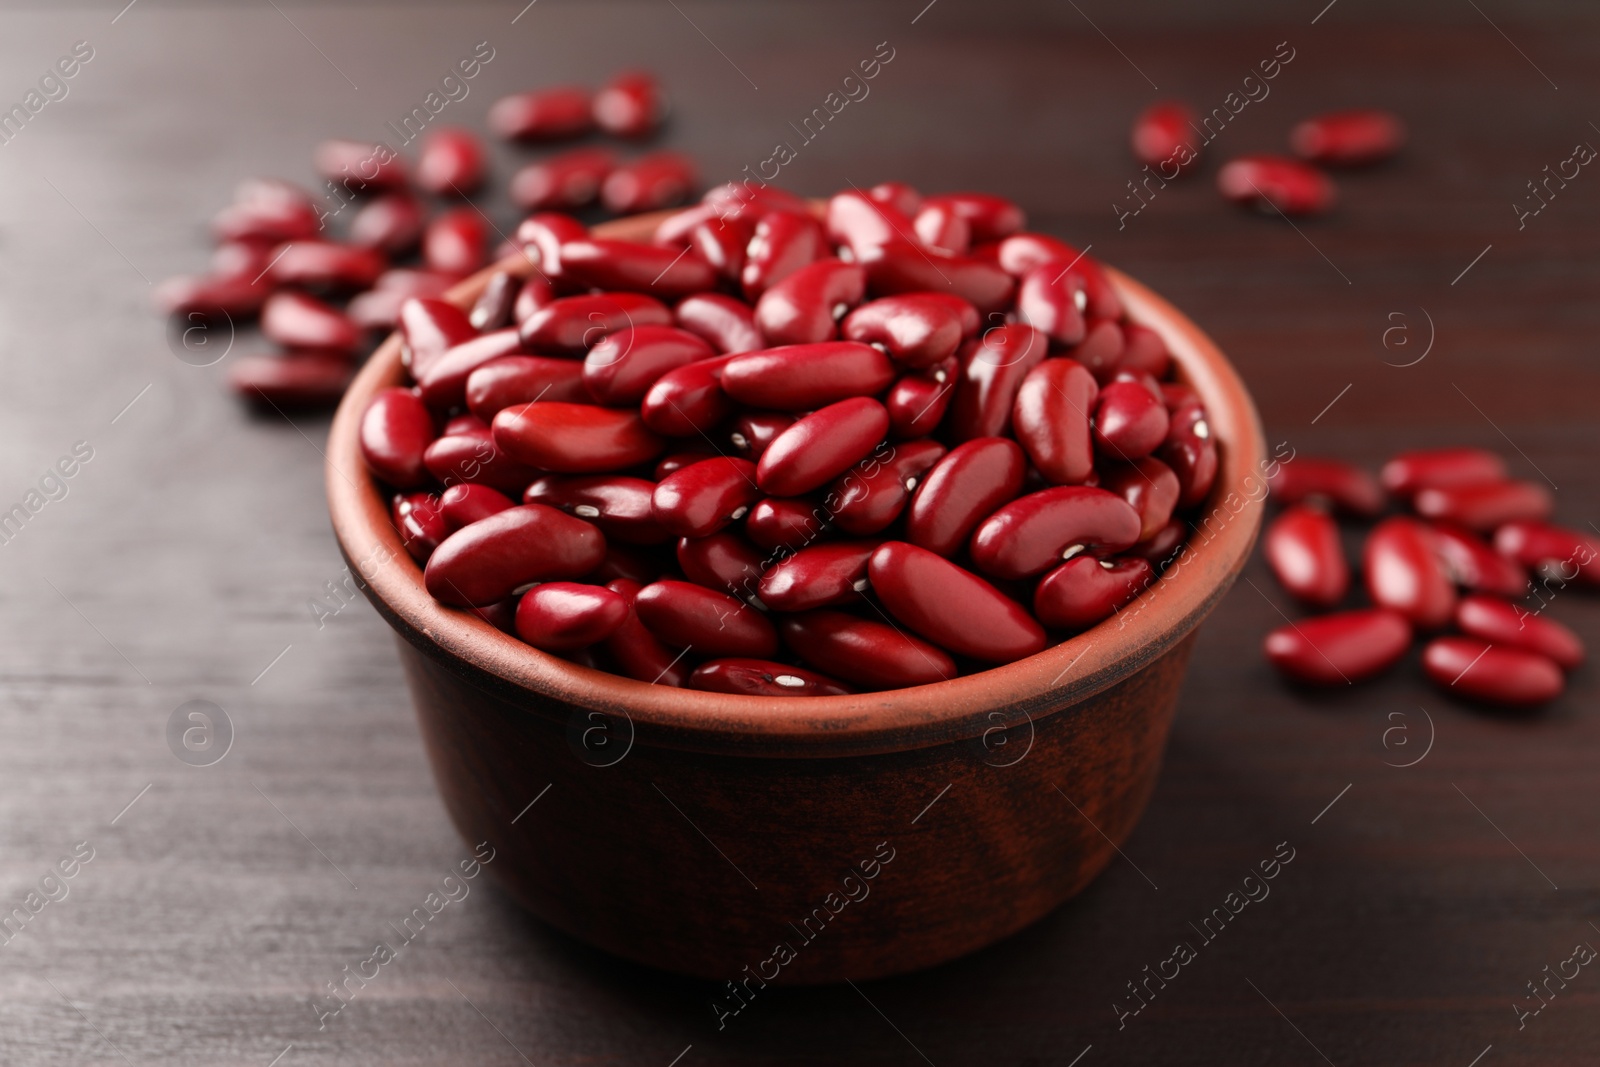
x=817, y=727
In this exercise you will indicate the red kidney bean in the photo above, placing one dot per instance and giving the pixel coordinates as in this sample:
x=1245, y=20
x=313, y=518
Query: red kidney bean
x=939, y=225
x=493, y=308
x=622, y=367
x=649, y=183
x=1129, y=423
x=1484, y=507
x=722, y=243
x=1085, y=590
x=732, y=199
x=1035, y=532
x=1149, y=487
x=1051, y=418
x=1144, y=350
x=1052, y=299
x=1020, y=253
x=309, y=378
x=857, y=222
x=1275, y=182
x=901, y=267
x=1137, y=377
x=871, y=495
x=1160, y=547
x=618, y=504
x=1353, y=138
x=444, y=384
x=457, y=242
x=916, y=330
x=787, y=524
x=1555, y=550
x=709, y=622
x=804, y=376
x=820, y=576
x=992, y=371
x=631, y=105
x=783, y=242
x=918, y=401
x=565, y=616
x=420, y=523
x=864, y=651
x=509, y=380
x=1491, y=673
x=296, y=320
x=428, y=329
x=473, y=458
x=1342, y=485
x=489, y=560
x=277, y=213
x=1338, y=649
x=970, y=483
x=1163, y=138
x=572, y=324
x=704, y=497
x=952, y=607
x=1191, y=453
x=391, y=223
x=726, y=324
x=604, y=263
x=637, y=652
x=395, y=430
x=723, y=561
x=902, y=197
x=325, y=265
x=637, y=564
x=464, y=504
x=231, y=296
x=1503, y=623
x=451, y=162
x=1441, y=468
x=564, y=181
x=990, y=217
x=754, y=431
x=762, y=678
x=240, y=259
x=1303, y=550
x=1473, y=564
x=1404, y=572
x=575, y=438
x=805, y=307
x=541, y=236
x=1101, y=349
x=359, y=165
x=677, y=229
x=542, y=115
x=464, y=424
x=820, y=446
x=688, y=401
x=673, y=462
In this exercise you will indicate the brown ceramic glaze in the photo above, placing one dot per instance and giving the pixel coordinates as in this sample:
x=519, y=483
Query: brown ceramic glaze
x=708, y=833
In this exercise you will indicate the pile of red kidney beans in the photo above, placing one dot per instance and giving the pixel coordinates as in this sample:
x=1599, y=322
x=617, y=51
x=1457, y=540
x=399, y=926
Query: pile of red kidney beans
x=1470, y=528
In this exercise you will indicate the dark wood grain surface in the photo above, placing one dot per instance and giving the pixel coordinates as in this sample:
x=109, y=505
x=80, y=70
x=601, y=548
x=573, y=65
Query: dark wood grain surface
x=181, y=562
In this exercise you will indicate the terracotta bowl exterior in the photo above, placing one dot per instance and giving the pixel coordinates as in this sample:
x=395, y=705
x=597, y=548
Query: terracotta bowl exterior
x=755, y=840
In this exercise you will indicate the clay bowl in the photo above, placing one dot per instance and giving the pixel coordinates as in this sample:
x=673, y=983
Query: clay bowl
x=802, y=841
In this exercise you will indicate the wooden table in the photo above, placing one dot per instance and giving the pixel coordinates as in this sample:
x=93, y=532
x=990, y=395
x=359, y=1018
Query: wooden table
x=182, y=560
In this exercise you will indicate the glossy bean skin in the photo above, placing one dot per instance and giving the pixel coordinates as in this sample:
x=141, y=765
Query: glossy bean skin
x=1102, y=347
x=630, y=105
x=285, y=214
x=1052, y=299
x=1441, y=468
x=420, y=523
x=993, y=368
x=296, y=320
x=1342, y=485
x=711, y=623
x=1303, y=550
x=952, y=607
x=1129, y=423
x=391, y=223
x=821, y=446
x=428, y=329
x=820, y=576
x=379, y=307
x=456, y=242
x=1403, y=572
x=291, y=380
x=726, y=324
x=618, y=504
x=564, y=181
x=722, y=244
x=677, y=229
x=754, y=431
x=1339, y=649
x=359, y=165
x=570, y=325
x=1494, y=674
x=917, y=401
x=787, y=524
x=1164, y=139
x=649, y=183
x=918, y=330
x=325, y=265
x=1485, y=507
x=494, y=306
x=1277, y=183
x=207, y=295
x=575, y=438
x=451, y=162
x=487, y=561
x=901, y=196
x=1143, y=350
x=444, y=384
x=1020, y=253
x=1471, y=563
x=970, y=483
x=1150, y=488
x=805, y=307
x=865, y=652
x=802, y=377
x=704, y=497
x=898, y=266
x=673, y=462
x=637, y=652
x=783, y=242
x=1564, y=554
x=566, y=616
x=635, y=563
x=1503, y=623
x=1085, y=590
x=762, y=678
x=1033, y=533
x=688, y=401
x=473, y=458
x=541, y=236
x=395, y=430
x=990, y=217
x=1355, y=138
x=858, y=222
x=738, y=198
x=621, y=367
x=632, y=266
x=870, y=496
x=723, y=561
x=1162, y=546
x=463, y=504
x=542, y=115
x=509, y=380
x=1052, y=420
x=941, y=226
x=1191, y=453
